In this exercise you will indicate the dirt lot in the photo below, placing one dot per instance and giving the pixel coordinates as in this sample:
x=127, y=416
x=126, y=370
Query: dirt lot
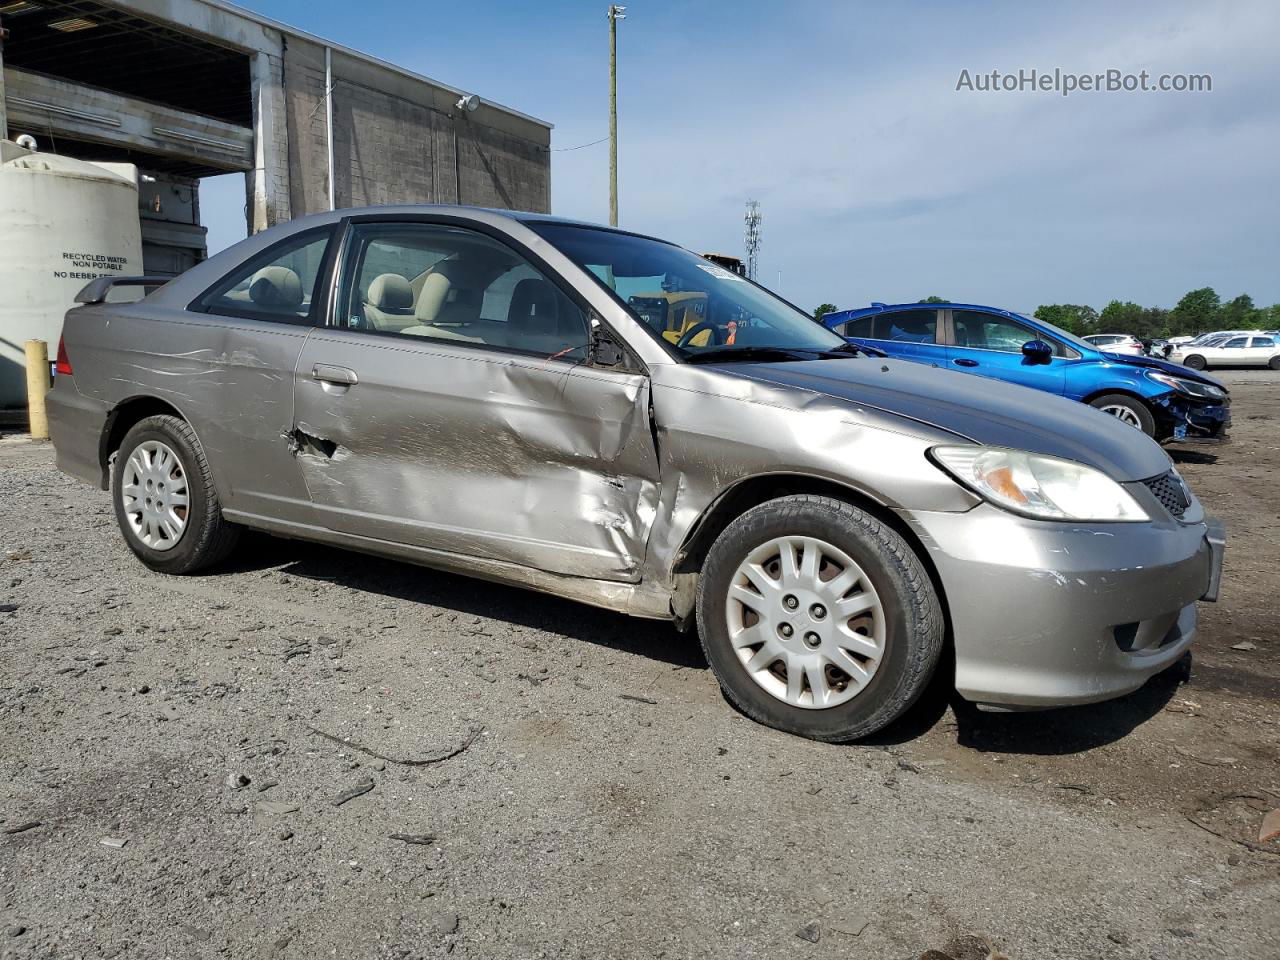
x=611, y=803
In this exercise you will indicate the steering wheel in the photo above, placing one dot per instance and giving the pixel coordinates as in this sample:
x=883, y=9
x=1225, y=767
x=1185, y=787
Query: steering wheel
x=696, y=329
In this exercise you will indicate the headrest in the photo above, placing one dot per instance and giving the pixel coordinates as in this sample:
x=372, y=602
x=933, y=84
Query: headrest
x=276, y=286
x=435, y=288
x=533, y=307
x=390, y=291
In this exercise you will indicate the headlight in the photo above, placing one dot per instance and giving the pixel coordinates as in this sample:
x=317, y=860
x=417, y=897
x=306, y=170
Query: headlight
x=1033, y=485
x=1191, y=388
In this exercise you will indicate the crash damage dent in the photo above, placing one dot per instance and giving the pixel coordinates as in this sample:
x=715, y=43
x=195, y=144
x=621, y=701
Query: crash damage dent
x=716, y=431
x=522, y=462
x=1179, y=417
x=230, y=380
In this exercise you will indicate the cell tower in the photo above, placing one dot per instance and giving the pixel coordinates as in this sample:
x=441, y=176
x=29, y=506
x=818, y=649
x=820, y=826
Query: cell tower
x=753, y=237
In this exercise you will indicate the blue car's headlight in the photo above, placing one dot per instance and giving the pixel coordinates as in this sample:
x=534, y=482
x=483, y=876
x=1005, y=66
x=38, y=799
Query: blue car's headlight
x=1190, y=388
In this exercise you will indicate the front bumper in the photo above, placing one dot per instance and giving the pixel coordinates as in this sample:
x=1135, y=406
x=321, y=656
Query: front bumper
x=1053, y=614
x=1182, y=419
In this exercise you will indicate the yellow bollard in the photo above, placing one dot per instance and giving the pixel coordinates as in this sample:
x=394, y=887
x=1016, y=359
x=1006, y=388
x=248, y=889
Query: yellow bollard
x=37, y=387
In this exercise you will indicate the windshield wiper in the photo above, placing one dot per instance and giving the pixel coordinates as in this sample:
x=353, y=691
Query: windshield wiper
x=751, y=354
x=853, y=350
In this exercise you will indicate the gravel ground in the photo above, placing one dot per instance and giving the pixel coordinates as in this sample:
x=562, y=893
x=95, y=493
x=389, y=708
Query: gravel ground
x=548, y=780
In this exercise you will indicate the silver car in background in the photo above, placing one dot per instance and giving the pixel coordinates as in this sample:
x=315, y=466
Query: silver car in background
x=608, y=417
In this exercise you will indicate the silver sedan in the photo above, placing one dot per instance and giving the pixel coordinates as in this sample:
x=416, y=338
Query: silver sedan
x=608, y=417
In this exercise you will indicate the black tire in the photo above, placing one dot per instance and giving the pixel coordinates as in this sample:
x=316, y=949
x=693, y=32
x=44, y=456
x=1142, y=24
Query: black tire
x=1195, y=362
x=914, y=623
x=1274, y=363
x=1135, y=407
x=207, y=538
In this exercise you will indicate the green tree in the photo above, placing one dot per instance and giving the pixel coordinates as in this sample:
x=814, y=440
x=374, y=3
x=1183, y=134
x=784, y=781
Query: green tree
x=1125, y=316
x=933, y=300
x=1120, y=316
x=1072, y=317
x=1197, y=312
x=823, y=309
x=1240, y=314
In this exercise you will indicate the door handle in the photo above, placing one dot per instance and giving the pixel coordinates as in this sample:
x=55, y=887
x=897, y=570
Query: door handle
x=964, y=362
x=328, y=373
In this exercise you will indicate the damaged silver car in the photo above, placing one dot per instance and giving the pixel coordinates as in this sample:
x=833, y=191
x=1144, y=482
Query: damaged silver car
x=608, y=417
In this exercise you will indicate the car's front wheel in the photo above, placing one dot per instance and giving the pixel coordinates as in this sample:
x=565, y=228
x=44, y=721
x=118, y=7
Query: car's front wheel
x=1127, y=410
x=1195, y=362
x=165, y=501
x=818, y=619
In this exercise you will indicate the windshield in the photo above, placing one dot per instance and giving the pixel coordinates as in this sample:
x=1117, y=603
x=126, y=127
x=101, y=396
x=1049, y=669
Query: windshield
x=1063, y=335
x=690, y=304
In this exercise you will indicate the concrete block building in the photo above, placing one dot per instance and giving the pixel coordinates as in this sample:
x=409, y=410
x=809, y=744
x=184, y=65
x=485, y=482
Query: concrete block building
x=186, y=89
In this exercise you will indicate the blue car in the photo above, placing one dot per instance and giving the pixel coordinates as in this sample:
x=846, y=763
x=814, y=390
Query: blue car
x=1165, y=400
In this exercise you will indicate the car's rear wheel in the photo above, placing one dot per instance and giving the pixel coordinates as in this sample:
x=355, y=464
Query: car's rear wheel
x=1195, y=362
x=164, y=498
x=1274, y=363
x=818, y=619
x=1127, y=410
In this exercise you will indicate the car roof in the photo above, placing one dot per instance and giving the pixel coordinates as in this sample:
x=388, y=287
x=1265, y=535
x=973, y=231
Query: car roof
x=878, y=307
x=526, y=217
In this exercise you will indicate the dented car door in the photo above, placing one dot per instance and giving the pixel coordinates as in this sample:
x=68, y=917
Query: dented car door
x=443, y=415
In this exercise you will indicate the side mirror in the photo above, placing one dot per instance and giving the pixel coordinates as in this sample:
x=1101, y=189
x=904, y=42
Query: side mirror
x=1037, y=351
x=605, y=351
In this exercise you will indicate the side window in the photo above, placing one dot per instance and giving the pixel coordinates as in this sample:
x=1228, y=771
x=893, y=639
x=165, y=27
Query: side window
x=858, y=327
x=904, y=326
x=1266, y=342
x=1237, y=342
x=280, y=285
x=986, y=331
x=445, y=283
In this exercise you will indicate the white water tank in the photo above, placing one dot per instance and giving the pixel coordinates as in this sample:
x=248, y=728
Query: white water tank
x=63, y=222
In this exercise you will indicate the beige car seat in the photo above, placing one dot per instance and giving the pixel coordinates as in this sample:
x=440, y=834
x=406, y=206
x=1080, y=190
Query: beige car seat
x=276, y=288
x=389, y=303
x=444, y=308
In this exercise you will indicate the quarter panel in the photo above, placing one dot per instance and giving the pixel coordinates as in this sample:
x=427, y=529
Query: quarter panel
x=230, y=379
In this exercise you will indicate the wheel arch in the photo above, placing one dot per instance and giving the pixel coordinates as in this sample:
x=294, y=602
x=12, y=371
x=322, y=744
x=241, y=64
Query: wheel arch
x=752, y=491
x=1124, y=391
x=121, y=420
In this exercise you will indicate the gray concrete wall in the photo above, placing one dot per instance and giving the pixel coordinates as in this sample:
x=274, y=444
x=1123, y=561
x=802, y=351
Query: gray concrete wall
x=394, y=141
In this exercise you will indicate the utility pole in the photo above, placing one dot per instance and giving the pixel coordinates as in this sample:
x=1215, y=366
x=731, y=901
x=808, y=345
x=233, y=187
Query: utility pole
x=4, y=125
x=616, y=12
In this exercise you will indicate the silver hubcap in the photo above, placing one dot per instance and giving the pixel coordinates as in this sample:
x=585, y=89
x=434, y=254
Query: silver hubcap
x=1123, y=414
x=806, y=622
x=153, y=489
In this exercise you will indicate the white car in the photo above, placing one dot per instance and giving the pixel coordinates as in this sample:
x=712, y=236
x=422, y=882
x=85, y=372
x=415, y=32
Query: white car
x=1256, y=350
x=1117, y=343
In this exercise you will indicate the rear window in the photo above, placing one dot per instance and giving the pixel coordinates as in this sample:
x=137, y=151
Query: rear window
x=902, y=326
x=278, y=285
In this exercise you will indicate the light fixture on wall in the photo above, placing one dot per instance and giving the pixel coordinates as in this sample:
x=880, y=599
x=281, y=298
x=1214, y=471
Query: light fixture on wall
x=467, y=103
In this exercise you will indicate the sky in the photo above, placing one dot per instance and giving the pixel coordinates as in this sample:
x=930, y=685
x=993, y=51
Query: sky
x=877, y=178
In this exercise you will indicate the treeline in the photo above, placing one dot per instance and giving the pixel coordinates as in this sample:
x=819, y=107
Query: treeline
x=1198, y=312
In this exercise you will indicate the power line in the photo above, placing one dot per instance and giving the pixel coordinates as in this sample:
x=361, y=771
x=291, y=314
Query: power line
x=578, y=147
